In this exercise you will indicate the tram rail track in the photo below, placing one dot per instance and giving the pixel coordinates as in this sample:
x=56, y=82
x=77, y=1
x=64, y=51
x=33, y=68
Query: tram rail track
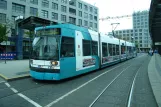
x=117, y=66
x=130, y=90
x=122, y=64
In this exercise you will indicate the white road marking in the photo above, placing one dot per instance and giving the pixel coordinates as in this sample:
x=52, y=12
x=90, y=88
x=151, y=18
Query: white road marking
x=29, y=100
x=131, y=91
x=2, y=81
x=7, y=85
x=108, y=86
x=23, y=96
x=14, y=90
x=67, y=94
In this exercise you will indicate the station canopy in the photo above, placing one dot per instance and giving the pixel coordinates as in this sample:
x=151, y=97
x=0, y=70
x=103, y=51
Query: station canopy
x=32, y=22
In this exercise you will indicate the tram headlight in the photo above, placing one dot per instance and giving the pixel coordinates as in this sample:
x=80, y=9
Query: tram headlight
x=54, y=63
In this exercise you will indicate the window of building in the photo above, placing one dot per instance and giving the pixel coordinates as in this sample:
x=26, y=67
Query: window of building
x=72, y=2
x=95, y=18
x=72, y=20
x=140, y=45
x=95, y=11
x=80, y=22
x=33, y=11
x=104, y=49
x=54, y=6
x=64, y=1
x=85, y=23
x=86, y=15
x=117, y=50
x=3, y=4
x=34, y=2
x=63, y=8
x=90, y=24
x=13, y=19
x=80, y=5
x=44, y=13
x=91, y=9
x=45, y=3
x=54, y=16
x=18, y=8
x=72, y=11
x=80, y=13
x=91, y=17
x=67, y=47
x=95, y=25
x=85, y=7
x=94, y=48
x=2, y=18
x=86, y=48
x=63, y=18
x=113, y=49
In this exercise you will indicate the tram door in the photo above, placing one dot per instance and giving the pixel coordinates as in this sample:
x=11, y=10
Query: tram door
x=67, y=56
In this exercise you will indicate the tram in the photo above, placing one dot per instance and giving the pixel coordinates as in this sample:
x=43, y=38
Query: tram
x=66, y=50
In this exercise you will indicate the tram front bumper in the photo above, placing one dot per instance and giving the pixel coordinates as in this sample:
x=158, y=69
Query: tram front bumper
x=44, y=76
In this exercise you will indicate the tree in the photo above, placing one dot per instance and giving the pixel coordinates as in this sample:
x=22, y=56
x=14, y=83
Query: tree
x=5, y=29
x=3, y=33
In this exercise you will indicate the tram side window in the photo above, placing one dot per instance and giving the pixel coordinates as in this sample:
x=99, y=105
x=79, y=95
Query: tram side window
x=117, y=50
x=67, y=47
x=110, y=49
x=122, y=49
x=114, y=50
x=104, y=49
x=94, y=48
x=131, y=49
x=86, y=48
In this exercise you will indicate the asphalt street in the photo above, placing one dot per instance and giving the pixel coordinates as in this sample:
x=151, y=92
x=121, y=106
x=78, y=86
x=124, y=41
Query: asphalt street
x=82, y=90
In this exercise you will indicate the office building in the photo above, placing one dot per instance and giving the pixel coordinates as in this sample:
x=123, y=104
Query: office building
x=140, y=32
x=62, y=11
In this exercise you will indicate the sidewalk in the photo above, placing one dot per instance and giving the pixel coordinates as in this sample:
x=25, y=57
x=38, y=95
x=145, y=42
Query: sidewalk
x=14, y=69
x=154, y=73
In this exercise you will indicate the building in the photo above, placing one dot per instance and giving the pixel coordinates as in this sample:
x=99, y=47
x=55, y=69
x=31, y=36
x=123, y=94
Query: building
x=72, y=11
x=62, y=11
x=126, y=34
x=140, y=32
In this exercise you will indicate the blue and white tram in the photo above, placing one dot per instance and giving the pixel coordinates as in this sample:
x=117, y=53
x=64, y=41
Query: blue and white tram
x=65, y=50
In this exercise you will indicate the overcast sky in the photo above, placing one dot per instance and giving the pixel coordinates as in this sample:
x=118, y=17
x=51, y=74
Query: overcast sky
x=114, y=8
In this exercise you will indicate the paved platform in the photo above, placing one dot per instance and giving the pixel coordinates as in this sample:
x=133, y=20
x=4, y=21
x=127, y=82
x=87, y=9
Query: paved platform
x=14, y=69
x=154, y=72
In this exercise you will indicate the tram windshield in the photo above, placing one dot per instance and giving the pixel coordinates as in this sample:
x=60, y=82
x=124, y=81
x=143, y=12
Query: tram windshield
x=45, y=47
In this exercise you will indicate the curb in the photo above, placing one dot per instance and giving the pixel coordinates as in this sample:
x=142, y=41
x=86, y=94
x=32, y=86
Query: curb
x=15, y=78
x=154, y=80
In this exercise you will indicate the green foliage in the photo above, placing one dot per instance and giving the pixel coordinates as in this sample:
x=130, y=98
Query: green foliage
x=3, y=33
x=30, y=34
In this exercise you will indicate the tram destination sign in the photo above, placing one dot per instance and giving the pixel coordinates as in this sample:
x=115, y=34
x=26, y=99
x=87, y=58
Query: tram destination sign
x=48, y=31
